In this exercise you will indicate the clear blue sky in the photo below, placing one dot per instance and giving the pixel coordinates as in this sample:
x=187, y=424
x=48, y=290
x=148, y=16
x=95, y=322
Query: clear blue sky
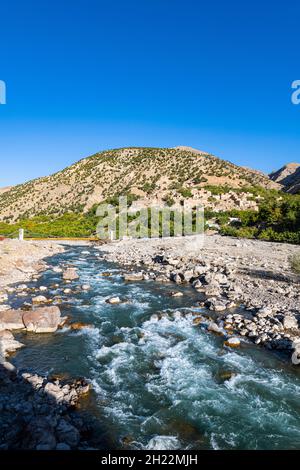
x=83, y=76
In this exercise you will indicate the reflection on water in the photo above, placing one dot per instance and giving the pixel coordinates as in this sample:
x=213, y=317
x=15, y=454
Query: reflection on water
x=160, y=382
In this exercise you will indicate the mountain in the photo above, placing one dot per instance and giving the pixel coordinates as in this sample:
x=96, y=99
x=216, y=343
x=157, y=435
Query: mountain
x=148, y=174
x=288, y=176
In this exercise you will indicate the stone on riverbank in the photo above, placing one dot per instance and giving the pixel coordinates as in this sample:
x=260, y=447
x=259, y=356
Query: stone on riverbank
x=232, y=342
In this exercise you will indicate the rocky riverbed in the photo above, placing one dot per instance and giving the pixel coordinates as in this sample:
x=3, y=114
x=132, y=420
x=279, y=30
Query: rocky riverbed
x=228, y=273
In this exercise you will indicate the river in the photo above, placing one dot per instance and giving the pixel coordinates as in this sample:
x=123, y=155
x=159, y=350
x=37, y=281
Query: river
x=160, y=382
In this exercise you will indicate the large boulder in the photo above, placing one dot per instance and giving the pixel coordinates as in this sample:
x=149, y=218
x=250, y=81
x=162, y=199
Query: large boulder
x=43, y=319
x=11, y=320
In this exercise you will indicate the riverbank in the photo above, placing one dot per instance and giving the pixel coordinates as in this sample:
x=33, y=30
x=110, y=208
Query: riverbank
x=228, y=273
x=20, y=260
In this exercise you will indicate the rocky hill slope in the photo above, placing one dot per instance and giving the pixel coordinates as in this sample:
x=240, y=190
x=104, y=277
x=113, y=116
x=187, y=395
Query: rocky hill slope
x=162, y=175
x=289, y=177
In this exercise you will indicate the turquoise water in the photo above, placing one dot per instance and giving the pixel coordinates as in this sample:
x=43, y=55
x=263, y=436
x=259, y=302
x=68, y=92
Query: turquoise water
x=157, y=379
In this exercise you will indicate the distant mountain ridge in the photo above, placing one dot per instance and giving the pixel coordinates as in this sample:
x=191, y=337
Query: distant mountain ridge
x=288, y=176
x=148, y=174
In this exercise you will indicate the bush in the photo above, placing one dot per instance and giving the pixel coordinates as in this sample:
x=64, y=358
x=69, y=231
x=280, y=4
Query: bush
x=295, y=263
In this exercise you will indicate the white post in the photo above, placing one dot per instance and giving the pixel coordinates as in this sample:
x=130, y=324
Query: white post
x=111, y=235
x=21, y=234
